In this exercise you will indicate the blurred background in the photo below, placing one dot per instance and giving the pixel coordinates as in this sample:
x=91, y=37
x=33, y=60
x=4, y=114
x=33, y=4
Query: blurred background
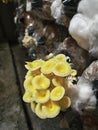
x=7, y=25
x=29, y=30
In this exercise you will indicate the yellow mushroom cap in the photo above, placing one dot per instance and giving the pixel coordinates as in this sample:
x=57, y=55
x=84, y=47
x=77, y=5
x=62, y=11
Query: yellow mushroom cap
x=34, y=65
x=73, y=72
x=32, y=73
x=41, y=96
x=39, y=112
x=48, y=66
x=28, y=74
x=62, y=69
x=41, y=82
x=58, y=81
x=57, y=93
x=60, y=57
x=28, y=81
x=28, y=97
x=33, y=105
x=28, y=84
x=51, y=109
x=65, y=103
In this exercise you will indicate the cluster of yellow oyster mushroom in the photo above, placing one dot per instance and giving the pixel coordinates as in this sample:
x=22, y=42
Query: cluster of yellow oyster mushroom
x=45, y=86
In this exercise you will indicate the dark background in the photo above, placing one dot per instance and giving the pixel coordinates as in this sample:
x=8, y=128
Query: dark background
x=7, y=25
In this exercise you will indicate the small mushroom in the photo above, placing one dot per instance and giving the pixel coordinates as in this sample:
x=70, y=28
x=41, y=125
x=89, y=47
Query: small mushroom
x=41, y=96
x=62, y=69
x=27, y=41
x=51, y=109
x=34, y=65
x=57, y=93
x=39, y=112
x=28, y=84
x=65, y=103
x=60, y=57
x=40, y=82
x=28, y=97
x=73, y=72
x=58, y=81
x=48, y=66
